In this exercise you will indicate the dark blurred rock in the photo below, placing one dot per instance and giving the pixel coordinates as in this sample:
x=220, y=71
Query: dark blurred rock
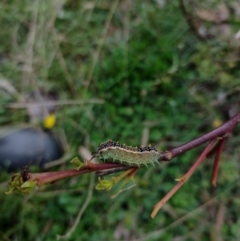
x=21, y=147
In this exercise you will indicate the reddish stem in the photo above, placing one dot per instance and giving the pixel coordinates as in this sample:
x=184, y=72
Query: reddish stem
x=225, y=129
x=214, y=149
x=49, y=177
x=216, y=163
x=182, y=180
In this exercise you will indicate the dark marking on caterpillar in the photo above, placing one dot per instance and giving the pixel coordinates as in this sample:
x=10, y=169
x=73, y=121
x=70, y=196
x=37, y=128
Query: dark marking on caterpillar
x=25, y=172
x=112, y=151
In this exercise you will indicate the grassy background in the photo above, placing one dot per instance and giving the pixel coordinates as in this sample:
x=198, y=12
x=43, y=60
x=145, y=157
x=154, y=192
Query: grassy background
x=155, y=76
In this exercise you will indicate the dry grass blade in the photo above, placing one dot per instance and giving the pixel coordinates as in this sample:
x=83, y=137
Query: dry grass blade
x=81, y=211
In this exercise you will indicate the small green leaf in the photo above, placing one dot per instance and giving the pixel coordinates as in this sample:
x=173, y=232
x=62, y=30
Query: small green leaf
x=17, y=185
x=79, y=164
x=10, y=191
x=104, y=185
x=29, y=184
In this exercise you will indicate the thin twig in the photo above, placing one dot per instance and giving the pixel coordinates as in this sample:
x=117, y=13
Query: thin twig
x=50, y=177
x=110, y=171
x=157, y=234
x=182, y=180
x=224, y=131
x=216, y=163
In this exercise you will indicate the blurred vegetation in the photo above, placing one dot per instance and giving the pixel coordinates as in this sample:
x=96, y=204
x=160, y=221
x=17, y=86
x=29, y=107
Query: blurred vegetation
x=155, y=76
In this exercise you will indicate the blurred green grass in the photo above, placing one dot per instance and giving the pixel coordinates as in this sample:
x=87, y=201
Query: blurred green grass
x=152, y=73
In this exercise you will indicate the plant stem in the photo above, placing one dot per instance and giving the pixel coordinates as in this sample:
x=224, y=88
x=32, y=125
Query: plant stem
x=216, y=163
x=49, y=177
x=224, y=130
x=182, y=180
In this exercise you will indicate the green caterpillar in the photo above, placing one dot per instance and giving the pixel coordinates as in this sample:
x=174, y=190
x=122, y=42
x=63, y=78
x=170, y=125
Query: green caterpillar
x=131, y=156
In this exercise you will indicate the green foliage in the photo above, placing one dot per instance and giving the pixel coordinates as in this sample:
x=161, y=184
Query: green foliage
x=153, y=74
x=16, y=184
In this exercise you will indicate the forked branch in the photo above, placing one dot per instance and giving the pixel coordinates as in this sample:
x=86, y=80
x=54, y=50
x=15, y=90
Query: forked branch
x=25, y=181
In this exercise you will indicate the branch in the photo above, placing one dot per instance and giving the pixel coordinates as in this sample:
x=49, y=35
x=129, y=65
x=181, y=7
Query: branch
x=216, y=163
x=25, y=181
x=223, y=131
x=182, y=180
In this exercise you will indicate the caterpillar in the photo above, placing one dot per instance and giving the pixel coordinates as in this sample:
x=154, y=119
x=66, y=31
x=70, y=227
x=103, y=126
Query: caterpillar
x=130, y=156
